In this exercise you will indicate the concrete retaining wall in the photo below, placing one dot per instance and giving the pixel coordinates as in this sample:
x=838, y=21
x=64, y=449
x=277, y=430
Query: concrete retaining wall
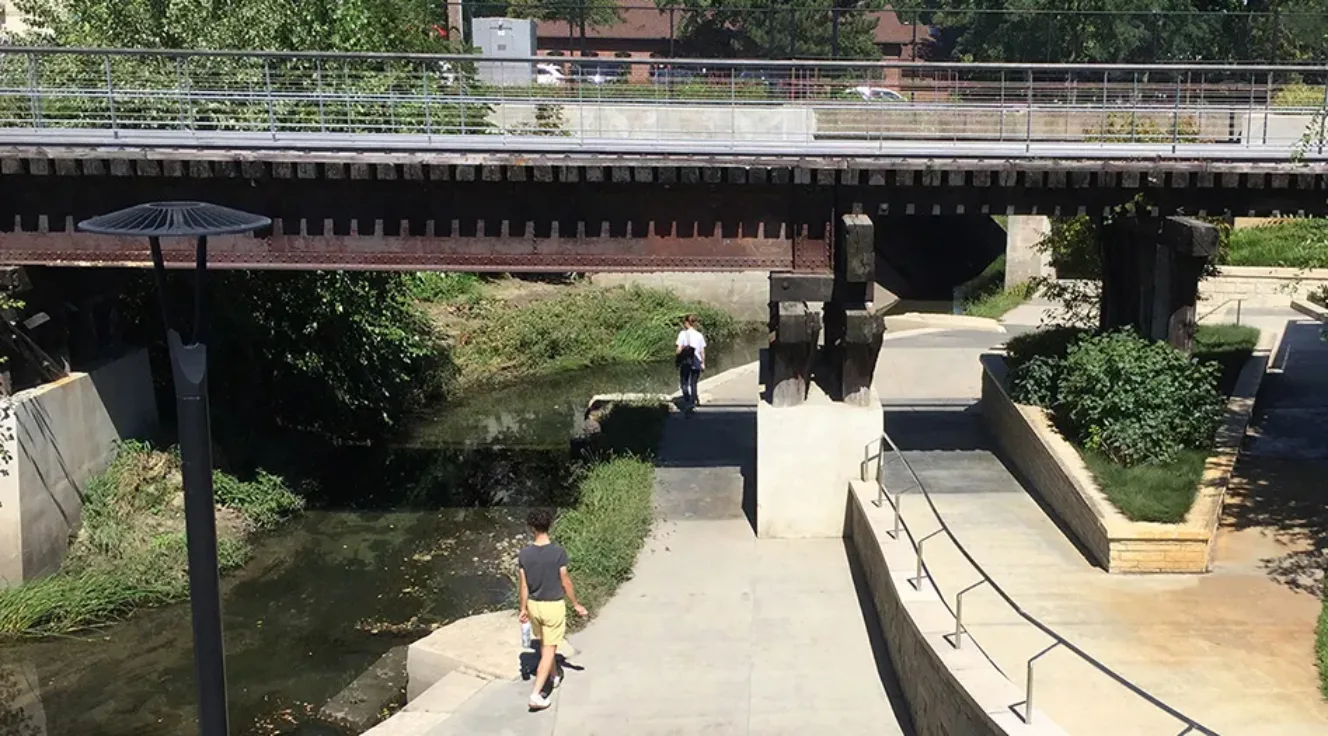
x=804, y=456
x=1253, y=282
x=949, y=691
x=670, y=120
x=1056, y=472
x=59, y=436
x=743, y=294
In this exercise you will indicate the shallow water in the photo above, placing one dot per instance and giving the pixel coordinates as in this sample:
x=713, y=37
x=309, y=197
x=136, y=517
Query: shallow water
x=408, y=537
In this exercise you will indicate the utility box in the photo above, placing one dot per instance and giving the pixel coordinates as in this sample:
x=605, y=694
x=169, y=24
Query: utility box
x=499, y=38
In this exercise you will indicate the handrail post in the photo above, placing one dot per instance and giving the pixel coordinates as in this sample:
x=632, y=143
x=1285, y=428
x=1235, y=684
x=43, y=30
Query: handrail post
x=1028, y=694
x=1175, y=117
x=110, y=98
x=917, y=581
x=271, y=114
x=959, y=612
x=1028, y=116
x=318, y=81
x=899, y=500
x=34, y=98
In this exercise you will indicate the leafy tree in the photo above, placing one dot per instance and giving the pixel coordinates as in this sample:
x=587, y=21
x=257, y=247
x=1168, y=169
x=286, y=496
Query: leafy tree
x=341, y=354
x=779, y=29
x=322, y=25
x=1129, y=31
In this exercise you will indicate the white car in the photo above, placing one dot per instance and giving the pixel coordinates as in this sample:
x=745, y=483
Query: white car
x=876, y=94
x=549, y=74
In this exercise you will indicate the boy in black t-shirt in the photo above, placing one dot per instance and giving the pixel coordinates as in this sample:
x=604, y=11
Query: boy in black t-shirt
x=544, y=581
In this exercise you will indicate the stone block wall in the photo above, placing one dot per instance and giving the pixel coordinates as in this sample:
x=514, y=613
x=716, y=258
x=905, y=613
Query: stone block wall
x=60, y=435
x=949, y=691
x=1028, y=447
x=1056, y=473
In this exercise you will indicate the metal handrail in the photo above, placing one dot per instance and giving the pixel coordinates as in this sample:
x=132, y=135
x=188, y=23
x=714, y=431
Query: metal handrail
x=1060, y=641
x=723, y=63
x=1214, y=310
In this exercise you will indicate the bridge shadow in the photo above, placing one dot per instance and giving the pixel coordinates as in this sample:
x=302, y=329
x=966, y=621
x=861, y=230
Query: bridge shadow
x=706, y=464
x=1277, y=485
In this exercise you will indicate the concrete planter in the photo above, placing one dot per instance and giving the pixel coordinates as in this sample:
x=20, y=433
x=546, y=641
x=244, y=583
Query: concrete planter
x=1056, y=472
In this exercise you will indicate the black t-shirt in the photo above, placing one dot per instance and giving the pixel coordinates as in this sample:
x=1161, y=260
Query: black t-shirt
x=542, y=563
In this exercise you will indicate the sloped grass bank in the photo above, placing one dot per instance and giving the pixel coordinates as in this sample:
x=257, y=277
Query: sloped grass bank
x=130, y=552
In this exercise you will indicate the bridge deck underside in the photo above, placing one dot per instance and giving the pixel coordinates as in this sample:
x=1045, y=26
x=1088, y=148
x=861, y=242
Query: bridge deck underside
x=413, y=215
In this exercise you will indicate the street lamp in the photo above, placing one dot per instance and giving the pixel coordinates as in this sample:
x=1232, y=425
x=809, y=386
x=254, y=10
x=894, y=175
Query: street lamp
x=189, y=371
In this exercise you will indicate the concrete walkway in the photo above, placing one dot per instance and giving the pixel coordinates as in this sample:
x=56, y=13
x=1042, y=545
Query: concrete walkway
x=717, y=632
x=1207, y=645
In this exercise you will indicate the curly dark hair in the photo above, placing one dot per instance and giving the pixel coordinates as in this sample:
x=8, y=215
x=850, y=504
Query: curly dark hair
x=540, y=520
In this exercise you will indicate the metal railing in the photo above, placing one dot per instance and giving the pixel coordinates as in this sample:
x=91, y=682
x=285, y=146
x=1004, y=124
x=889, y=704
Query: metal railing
x=1239, y=302
x=309, y=99
x=922, y=573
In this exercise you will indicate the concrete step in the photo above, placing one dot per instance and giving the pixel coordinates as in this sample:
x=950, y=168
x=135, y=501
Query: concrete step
x=448, y=694
x=498, y=709
x=407, y=724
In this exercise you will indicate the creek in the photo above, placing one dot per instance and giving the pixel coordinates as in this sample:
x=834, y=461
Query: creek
x=407, y=535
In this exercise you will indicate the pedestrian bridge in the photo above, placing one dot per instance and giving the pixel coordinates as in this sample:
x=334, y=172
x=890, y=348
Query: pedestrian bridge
x=423, y=161
x=466, y=104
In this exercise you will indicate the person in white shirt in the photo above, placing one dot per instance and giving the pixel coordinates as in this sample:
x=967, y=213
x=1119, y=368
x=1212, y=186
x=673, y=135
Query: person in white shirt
x=690, y=357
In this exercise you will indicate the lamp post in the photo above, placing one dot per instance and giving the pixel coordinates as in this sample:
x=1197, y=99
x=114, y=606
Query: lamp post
x=189, y=372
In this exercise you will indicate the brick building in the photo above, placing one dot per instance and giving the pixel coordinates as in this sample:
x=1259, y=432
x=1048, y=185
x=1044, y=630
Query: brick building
x=646, y=32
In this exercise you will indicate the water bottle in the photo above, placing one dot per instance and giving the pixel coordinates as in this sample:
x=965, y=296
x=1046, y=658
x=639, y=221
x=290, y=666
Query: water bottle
x=526, y=635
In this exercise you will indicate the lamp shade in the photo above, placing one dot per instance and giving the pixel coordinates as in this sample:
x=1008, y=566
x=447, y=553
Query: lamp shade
x=174, y=219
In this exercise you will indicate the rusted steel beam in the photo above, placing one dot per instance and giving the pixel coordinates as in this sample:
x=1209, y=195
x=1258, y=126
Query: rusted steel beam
x=411, y=252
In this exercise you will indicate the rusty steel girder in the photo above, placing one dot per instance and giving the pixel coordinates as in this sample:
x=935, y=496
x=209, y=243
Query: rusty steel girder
x=415, y=252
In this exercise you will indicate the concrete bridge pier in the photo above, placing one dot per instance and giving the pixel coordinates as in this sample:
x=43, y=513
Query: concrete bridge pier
x=820, y=412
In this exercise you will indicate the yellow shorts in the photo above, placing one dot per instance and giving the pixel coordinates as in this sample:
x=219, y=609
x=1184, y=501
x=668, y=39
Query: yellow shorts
x=548, y=621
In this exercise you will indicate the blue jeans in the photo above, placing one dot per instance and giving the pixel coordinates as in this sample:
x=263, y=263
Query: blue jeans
x=687, y=377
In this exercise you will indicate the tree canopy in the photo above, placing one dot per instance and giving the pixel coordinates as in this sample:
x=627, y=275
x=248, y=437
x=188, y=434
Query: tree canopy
x=778, y=29
x=1128, y=31
x=286, y=25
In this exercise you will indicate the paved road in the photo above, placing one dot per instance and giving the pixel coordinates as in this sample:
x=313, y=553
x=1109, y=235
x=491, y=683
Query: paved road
x=717, y=632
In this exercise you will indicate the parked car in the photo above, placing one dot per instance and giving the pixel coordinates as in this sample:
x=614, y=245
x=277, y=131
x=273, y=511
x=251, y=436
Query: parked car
x=674, y=75
x=550, y=74
x=875, y=94
x=601, y=73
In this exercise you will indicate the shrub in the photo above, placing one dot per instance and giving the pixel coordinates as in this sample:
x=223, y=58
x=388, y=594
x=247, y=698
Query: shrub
x=1135, y=400
x=1036, y=360
x=1319, y=296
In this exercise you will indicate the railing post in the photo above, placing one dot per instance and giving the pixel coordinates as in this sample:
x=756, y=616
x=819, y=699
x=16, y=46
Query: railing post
x=1267, y=102
x=1001, y=135
x=34, y=97
x=271, y=114
x=1028, y=694
x=1134, y=111
x=462, y=84
x=1028, y=114
x=1175, y=117
x=110, y=98
x=1106, y=115
x=1323, y=116
x=428, y=107
x=318, y=81
x=917, y=581
x=959, y=611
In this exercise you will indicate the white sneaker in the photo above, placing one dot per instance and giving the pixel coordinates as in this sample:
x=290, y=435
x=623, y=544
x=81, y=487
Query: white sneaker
x=538, y=702
x=557, y=680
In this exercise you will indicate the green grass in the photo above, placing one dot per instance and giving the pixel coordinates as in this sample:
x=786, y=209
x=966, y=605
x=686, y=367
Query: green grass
x=578, y=329
x=606, y=526
x=985, y=295
x=130, y=552
x=1162, y=492
x=994, y=305
x=1227, y=345
x=1301, y=243
x=1321, y=648
x=446, y=288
